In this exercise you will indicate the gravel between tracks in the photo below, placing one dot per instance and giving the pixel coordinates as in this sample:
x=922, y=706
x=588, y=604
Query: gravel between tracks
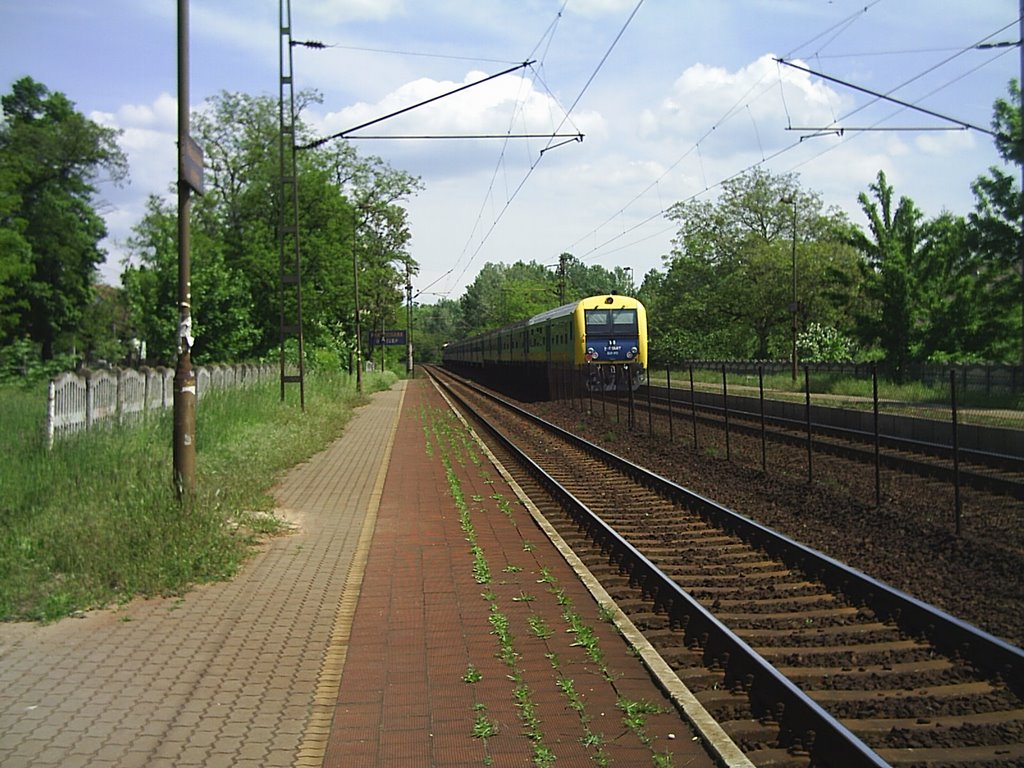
x=909, y=541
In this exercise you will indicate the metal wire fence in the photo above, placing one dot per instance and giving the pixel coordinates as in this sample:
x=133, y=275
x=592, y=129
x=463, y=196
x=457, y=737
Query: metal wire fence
x=960, y=428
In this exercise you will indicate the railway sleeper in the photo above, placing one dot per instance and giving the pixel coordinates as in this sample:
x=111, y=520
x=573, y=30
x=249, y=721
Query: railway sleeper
x=773, y=604
x=1012, y=717
x=853, y=656
x=826, y=613
x=786, y=590
x=813, y=634
x=984, y=755
x=727, y=574
x=874, y=696
x=805, y=676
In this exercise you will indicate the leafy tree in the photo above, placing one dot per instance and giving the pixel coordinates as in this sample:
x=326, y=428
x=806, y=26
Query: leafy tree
x=151, y=280
x=892, y=254
x=728, y=289
x=222, y=320
x=15, y=257
x=927, y=296
x=957, y=321
x=350, y=214
x=104, y=331
x=994, y=234
x=382, y=238
x=435, y=325
x=52, y=157
x=580, y=280
x=502, y=294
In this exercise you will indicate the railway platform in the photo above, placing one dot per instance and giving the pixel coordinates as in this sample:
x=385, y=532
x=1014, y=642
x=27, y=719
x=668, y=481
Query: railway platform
x=416, y=615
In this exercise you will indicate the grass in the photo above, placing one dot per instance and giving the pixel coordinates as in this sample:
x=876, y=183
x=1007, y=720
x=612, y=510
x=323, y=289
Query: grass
x=96, y=521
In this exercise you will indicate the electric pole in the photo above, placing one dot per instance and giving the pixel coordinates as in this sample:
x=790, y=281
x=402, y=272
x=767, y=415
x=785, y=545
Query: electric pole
x=189, y=177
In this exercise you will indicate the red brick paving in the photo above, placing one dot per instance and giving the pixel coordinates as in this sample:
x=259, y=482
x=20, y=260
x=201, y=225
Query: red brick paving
x=246, y=673
x=422, y=622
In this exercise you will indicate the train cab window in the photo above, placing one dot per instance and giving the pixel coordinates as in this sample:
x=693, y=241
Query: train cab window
x=611, y=322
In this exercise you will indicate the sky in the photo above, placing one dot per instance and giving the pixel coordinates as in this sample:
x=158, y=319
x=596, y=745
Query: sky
x=672, y=98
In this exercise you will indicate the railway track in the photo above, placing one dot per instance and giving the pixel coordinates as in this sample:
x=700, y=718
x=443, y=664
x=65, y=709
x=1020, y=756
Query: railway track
x=802, y=660
x=984, y=471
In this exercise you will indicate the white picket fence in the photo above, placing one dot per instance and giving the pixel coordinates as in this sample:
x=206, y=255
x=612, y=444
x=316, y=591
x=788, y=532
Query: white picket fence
x=82, y=401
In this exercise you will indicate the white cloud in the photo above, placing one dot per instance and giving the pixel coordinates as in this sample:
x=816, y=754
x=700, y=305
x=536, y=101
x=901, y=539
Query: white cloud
x=149, y=139
x=343, y=11
x=506, y=105
x=754, y=103
x=596, y=8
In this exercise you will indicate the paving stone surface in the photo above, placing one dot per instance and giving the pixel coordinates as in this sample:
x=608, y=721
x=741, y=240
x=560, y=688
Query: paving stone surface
x=226, y=675
x=427, y=674
x=350, y=641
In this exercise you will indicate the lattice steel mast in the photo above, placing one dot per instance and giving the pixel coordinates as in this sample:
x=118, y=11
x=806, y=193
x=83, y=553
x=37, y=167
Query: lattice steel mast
x=288, y=212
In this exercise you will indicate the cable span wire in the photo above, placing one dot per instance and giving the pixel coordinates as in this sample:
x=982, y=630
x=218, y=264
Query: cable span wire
x=851, y=134
x=411, y=53
x=533, y=166
x=888, y=95
x=593, y=252
x=499, y=164
x=842, y=25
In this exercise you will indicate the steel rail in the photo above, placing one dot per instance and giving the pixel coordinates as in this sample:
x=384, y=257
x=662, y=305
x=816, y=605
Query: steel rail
x=802, y=721
x=989, y=459
x=940, y=628
x=946, y=632
x=797, y=436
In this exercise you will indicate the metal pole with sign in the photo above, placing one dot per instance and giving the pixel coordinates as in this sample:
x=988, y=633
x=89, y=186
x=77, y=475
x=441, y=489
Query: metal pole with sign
x=190, y=178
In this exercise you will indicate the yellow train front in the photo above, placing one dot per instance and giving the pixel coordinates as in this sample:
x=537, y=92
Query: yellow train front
x=597, y=344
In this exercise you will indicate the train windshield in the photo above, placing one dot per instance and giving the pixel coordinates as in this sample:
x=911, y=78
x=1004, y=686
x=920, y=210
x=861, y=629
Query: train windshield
x=611, y=322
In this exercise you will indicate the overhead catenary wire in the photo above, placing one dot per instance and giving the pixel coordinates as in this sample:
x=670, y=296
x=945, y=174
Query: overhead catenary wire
x=604, y=247
x=394, y=52
x=695, y=147
x=548, y=36
x=884, y=97
x=396, y=113
x=350, y=133
x=888, y=95
x=529, y=172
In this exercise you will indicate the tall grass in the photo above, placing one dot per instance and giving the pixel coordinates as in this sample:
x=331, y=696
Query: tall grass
x=96, y=520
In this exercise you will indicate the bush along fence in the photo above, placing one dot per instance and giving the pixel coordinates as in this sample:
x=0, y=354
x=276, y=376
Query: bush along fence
x=80, y=401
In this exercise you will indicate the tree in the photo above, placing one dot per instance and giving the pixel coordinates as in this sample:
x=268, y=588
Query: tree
x=995, y=236
x=52, y=156
x=435, y=325
x=959, y=321
x=15, y=257
x=104, y=330
x=892, y=253
x=151, y=280
x=729, y=284
x=350, y=213
x=502, y=294
x=581, y=281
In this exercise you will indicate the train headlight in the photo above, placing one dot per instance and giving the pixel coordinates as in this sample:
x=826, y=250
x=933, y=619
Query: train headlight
x=591, y=354
x=632, y=353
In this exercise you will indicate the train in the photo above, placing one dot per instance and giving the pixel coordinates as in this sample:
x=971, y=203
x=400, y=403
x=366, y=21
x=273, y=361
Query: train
x=596, y=344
